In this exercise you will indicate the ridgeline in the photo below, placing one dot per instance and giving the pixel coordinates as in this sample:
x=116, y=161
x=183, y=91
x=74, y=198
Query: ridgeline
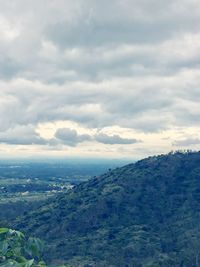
x=143, y=214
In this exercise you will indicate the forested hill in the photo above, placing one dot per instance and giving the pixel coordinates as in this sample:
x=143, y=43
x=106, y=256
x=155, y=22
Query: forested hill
x=143, y=214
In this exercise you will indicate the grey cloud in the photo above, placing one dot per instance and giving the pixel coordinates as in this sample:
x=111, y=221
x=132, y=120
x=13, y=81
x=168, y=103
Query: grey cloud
x=97, y=33
x=25, y=135
x=93, y=27
x=150, y=104
x=114, y=139
x=8, y=68
x=71, y=137
x=187, y=142
x=116, y=22
x=99, y=63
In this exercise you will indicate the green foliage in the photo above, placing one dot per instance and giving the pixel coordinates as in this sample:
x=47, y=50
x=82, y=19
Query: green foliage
x=144, y=214
x=16, y=251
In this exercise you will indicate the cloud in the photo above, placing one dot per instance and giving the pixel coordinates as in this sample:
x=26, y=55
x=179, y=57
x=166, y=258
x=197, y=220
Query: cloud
x=24, y=135
x=187, y=142
x=71, y=137
x=151, y=104
x=100, y=23
x=86, y=39
x=132, y=64
x=114, y=139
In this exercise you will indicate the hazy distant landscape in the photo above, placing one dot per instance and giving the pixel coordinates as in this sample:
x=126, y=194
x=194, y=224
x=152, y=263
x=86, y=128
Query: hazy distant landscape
x=26, y=183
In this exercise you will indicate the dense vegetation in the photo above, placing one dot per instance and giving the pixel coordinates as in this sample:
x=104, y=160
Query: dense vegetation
x=17, y=251
x=143, y=214
x=26, y=183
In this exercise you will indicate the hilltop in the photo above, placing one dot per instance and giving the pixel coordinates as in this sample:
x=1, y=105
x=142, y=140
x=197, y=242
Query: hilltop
x=143, y=214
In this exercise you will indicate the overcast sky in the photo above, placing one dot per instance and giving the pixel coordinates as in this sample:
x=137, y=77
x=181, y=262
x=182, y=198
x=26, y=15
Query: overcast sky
x=90, y=78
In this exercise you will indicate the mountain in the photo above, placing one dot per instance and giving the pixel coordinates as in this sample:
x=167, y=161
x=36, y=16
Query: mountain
x=143, y=214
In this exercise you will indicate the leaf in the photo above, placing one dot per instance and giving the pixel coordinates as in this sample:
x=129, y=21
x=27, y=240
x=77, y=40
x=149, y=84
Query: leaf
x=14, y=248
x=21, y=259
x=40, y=264
x=17, y=234
x=34, y=247
x=3, y=247
x=10, y=263
x=4, y=230
x=9, y=254
x=29, y=263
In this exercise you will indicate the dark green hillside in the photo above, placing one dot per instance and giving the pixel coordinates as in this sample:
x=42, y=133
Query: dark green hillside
x=143, y=214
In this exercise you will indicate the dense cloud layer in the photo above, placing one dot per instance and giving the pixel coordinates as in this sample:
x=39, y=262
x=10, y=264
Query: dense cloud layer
x=131, y=64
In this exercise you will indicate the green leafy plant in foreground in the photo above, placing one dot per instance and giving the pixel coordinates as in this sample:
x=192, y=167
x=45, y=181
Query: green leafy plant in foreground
x=16, y=250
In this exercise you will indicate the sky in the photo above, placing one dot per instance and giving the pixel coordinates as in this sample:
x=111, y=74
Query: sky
x=88, y=78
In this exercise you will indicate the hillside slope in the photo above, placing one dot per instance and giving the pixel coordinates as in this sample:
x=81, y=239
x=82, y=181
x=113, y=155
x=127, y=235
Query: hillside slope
x=143, y=214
